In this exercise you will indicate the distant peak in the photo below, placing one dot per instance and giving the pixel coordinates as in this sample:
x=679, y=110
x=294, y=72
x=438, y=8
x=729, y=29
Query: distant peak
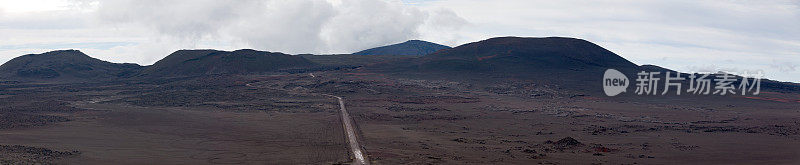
x=534, y=40
x=196, y=50
x=67, y=52
x=514, y=38
x=250, y=51
x=64, y=51
x=418, y=41
x=247, y=50
x=214, y=50
x=410, y=47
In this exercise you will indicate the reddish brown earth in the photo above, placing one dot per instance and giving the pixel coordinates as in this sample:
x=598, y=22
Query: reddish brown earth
x=283, y=119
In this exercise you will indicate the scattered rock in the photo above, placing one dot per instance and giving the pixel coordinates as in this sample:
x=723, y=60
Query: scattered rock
x=568, y=142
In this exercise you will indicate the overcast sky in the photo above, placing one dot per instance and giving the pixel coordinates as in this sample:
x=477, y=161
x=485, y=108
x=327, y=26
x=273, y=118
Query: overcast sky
x=685, y=35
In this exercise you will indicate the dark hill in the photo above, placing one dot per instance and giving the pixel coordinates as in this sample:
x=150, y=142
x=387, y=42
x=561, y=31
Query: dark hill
x=411, y=47
x=64, y=65
x=655, y=68
x=518, y=56
x=204, y=62
x=568, y=62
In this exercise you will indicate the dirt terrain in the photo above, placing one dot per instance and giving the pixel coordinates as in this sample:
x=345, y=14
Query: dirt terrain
x=441, y=122
x=108, y=127
x=285, y=119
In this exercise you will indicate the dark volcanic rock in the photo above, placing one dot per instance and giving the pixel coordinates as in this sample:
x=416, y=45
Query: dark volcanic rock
x=411, y=47
x=64, y=65
x=18, y=154
x=568, y=142
x=205, y=62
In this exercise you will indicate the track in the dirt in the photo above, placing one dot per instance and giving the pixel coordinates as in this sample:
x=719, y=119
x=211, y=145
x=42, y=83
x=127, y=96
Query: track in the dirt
x=347, y=122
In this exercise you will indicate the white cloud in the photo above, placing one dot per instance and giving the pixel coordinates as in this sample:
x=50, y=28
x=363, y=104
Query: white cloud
x=187, y=20
x=443, y=26
x=286, y=26
x=14, y=6
x=784, y=66
x=361, y=24
x=296, y=26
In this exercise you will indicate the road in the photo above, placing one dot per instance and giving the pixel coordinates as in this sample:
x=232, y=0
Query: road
x=347, y=122
x=352, y=139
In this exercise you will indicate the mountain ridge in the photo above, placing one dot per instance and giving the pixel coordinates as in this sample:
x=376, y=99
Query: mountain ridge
x=207, y=61
x=517, y=57
x=64, y=65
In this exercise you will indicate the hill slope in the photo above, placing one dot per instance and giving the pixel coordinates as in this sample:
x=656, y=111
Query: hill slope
x=202, y=62
x=64, y=65
x=411, y=47
x=518, y=56
x=568, y=62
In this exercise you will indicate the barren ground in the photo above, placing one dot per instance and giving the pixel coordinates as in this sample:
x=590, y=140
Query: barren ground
x=282, y=119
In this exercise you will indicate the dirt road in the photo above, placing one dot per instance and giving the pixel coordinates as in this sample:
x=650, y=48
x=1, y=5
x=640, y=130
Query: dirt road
x=347, y=122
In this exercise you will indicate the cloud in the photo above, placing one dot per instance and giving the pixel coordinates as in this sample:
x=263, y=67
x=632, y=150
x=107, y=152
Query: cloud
x=784, y=66
x=362, y=24
x=443, y=26
x=296, y=26
x=287, y=26
x=189, y=20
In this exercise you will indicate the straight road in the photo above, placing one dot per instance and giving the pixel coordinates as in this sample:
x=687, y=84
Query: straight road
x=347, y=122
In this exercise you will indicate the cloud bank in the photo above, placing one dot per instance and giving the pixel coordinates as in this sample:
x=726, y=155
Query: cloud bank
x=158, y=28
x=295, y=26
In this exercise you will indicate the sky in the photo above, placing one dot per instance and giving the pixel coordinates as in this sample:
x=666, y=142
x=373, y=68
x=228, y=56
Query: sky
x=685, y=35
